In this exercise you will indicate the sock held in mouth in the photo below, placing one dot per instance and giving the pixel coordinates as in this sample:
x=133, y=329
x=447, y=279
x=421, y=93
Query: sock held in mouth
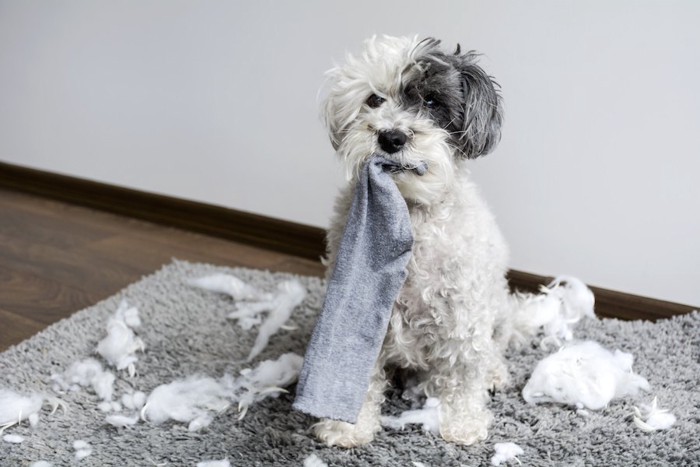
x=370, y=270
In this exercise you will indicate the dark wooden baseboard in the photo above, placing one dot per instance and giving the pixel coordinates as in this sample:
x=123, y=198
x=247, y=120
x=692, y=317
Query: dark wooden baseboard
x=253, y=229
x=274, y=234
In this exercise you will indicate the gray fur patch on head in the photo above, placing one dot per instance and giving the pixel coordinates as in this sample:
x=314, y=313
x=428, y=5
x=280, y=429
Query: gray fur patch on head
x=456, y=93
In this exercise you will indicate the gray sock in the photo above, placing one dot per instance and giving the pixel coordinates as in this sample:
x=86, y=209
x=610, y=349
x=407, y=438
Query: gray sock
x=369, y=272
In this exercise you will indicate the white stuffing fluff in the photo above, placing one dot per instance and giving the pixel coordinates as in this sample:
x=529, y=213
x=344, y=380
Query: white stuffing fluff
x=188, y=401
x=651, y=417
x=583, y=375
x=120, y=421
x=14, y=407
x=196, y=400
x=221, y=463
x=251, y=303
x=14, y=439
x=562, y=304
x=428, y=417
x=266, y=380
x=86, y=373
x=134, y=400
x=229, y=285
x=314, y=461
x=41, y=464
x=289, y=295
x=121, y=344
x=506, y=452
x=82, y=449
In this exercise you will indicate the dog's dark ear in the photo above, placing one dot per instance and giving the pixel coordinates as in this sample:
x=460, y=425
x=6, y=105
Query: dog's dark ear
x=483, y=114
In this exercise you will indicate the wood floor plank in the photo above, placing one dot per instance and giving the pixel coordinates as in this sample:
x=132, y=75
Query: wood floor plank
x=57, y=258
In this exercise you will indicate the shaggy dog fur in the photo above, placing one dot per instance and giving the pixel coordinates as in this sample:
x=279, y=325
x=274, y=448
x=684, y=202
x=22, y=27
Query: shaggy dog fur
x=409, y=100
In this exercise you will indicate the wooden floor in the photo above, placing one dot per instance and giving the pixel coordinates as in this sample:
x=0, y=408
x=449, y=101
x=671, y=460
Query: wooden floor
x=57, y=258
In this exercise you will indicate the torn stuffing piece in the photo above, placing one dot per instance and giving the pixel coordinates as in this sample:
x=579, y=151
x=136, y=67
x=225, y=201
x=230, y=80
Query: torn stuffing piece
x=428, y=417
x=251, y=303
x=229, y=285
x=188, y=401
x=289, y=295
x=562, y=304
x=86, y=373
x=196, y=400
x=14, y=439
x=266, y=380
x=583, y=375
x=221, y=463
x=121, y=343
x=41, y=464
x=314, y=461
x=651, y=417
x=506, y=452
x=82, y=449
x=15, y=408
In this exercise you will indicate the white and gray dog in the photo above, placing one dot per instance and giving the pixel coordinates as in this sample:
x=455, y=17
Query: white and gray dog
x=408, y=100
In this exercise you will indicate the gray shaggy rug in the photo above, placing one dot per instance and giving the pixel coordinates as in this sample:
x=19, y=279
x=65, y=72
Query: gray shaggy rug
x=186, y=332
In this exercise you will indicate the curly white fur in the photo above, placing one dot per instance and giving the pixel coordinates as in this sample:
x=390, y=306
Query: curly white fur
x=456, y=296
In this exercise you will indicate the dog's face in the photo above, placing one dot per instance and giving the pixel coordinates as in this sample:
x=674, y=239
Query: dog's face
x=409, y=100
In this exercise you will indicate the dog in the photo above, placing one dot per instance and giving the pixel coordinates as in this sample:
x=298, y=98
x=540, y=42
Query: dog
x=410, y=101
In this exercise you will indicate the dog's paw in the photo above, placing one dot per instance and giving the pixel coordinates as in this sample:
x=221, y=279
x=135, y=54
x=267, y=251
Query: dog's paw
x=465, y=431
x=345, y=435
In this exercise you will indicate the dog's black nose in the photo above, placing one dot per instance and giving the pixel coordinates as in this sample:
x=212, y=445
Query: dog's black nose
x=392, y=141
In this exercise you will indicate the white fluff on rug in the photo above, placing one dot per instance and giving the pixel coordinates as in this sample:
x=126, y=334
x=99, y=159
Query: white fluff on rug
x=651, y=418
x=289, y=295
x=221, y=463
x=229, y=285
x=189, y=400
x=266, y=380
x=196, y=400
x=15, y=408
x=314, y=461
x=562, y=304
x=505, y=452
x=86, y=373
x=41, y=464
x=120, y=345
x=428, y=417
x=82, y=449
x=583, y=375
x=13, y=439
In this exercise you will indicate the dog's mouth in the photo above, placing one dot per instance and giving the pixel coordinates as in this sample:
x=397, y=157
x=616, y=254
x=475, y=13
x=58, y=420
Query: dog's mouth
x=395, y=167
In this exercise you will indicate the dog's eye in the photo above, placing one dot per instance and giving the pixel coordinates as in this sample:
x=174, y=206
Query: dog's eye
x=374, y=101
x=430, y=102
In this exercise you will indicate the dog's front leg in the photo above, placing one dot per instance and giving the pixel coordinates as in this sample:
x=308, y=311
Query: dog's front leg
x=348, y=435
x=464, y=417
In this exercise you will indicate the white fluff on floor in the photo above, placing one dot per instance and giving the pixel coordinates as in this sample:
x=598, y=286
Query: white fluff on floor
x=279, y=307
x=428, y=417
x=41, y=464
x=651, y=418
x=583, y=375
x=120, y=345
x=82, y=449
x=190, y=400
x=15, y=408
x=196, y=400
x=14, y=439
x=221, y=463
x=506, y=452
x=314, y=461
x=86, y=373
x=229, y=285
x=120, y=421
x=268, y=379
x=251, y=303
x=562, y=304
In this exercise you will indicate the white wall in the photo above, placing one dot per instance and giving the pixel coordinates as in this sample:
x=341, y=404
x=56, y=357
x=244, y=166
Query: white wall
x=215, y=101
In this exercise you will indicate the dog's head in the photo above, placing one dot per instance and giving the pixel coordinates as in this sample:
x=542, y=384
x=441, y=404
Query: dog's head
x=409, y=100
